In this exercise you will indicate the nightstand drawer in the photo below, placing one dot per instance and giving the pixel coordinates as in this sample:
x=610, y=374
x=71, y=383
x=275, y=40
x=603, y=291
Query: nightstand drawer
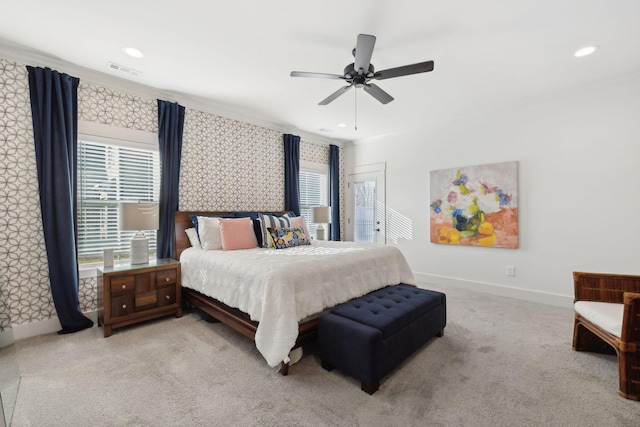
x=122, y=305
x=130, y=294
x=166, y=277
x=166, y=296
x=122, y=284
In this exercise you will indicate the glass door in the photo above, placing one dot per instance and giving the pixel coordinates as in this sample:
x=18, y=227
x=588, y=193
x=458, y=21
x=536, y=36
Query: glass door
x=367, y=213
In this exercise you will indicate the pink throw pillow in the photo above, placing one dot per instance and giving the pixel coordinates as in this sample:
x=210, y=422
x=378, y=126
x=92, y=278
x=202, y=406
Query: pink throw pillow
x=237, y=233
x=298, y=221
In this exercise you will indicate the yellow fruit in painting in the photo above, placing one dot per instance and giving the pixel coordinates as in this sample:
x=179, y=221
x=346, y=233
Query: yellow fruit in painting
x=485, y=228
x=488, y=241
x=454, y=236
x=442, y=234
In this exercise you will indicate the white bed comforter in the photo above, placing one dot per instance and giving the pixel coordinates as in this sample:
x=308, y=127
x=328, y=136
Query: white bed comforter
x=278, y=288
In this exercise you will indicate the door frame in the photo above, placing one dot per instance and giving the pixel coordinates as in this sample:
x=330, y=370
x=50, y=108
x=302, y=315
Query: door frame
x=379, y=169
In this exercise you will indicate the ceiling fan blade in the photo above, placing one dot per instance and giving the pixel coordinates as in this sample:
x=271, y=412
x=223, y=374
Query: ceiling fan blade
x=377, y=93
x=421, y=67
x=316, y=75
x=364, y=50
x=334, y=95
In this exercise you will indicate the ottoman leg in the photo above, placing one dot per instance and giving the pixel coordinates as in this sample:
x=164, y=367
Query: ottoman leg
x=327, y=366
x=370, y=387
x=441, y=333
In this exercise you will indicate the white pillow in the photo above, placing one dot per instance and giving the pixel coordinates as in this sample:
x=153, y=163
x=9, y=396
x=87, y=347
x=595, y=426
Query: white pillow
x=192, y=234
x=209, y=231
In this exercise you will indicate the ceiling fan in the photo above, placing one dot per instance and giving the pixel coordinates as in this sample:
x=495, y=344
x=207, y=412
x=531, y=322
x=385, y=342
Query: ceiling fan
x=361, y=71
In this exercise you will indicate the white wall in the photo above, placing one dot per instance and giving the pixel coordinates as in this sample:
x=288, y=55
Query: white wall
x=578, y=195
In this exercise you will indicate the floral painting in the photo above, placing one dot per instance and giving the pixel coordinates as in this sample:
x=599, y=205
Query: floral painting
x=475, y=205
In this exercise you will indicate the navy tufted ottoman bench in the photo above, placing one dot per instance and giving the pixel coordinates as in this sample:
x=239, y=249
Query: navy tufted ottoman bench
x=369, y=336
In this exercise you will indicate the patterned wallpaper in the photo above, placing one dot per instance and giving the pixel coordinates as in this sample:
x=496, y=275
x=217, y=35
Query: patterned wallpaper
x=23, y=258
x=226, y=165
x=230, y=165
x=105, y=106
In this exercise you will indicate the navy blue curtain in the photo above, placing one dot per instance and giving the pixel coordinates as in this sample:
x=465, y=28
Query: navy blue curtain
x=334, y=191
x=54, y=110
x=292, y=173
x=170, y=127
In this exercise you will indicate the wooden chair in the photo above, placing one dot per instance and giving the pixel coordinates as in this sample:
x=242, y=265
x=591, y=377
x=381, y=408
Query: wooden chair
x=588, y=336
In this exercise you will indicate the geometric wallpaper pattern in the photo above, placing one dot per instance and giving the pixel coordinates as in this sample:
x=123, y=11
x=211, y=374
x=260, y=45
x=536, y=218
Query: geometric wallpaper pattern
x=23, y=259
x=105, y=106
x=230, y=165
x=226, y=165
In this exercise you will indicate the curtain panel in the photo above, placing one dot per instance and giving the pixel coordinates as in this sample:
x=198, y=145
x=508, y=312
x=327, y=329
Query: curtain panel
x=334, y=191
x=292, y=173
x=54, y=110
x=170, y=129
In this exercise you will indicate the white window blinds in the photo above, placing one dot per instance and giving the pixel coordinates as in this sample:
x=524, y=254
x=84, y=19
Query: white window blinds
x=108, y=174
x=313, y=192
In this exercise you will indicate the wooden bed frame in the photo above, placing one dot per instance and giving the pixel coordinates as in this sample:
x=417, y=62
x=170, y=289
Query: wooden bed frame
x=307, y=331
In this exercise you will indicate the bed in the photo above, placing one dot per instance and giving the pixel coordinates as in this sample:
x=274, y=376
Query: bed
x=274, y=296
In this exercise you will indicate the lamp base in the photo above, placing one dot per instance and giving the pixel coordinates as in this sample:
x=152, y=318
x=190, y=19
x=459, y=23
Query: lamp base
x=139, y=249
x=320, y=235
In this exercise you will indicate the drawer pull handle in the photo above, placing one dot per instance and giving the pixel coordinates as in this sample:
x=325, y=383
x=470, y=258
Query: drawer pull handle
x=168, y=297
x=124, y=286
x=166, y=279
x=124, y=305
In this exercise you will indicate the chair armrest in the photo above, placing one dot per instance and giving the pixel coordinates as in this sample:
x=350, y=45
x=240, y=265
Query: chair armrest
x=604, y=287
x=631, y=318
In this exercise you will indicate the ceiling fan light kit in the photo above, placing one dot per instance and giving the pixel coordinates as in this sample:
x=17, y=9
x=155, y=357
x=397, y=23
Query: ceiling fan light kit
x=361, y=72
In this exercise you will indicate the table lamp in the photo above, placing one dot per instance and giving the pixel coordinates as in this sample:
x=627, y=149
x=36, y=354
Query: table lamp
x=321, y=215
x=138, y=216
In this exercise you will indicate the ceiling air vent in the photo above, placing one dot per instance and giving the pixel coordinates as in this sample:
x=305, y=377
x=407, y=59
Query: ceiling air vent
x=123, y=69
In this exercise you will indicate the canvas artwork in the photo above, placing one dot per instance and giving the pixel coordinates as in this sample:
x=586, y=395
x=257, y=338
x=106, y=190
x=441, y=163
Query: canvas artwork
x=475, y=205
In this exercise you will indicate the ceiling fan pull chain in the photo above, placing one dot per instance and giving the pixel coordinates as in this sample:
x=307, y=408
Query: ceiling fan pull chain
x=355, y=113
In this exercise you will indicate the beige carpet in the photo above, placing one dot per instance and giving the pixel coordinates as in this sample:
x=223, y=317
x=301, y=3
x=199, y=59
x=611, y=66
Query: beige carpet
x=502, y=362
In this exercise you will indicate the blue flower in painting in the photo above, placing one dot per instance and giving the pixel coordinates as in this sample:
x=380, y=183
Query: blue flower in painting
x=503, y=198
x=457, y=212
x=436, y=206
x=461, y=180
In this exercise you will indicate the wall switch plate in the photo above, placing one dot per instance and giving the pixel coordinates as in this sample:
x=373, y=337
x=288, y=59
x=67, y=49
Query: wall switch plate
x=511, y=270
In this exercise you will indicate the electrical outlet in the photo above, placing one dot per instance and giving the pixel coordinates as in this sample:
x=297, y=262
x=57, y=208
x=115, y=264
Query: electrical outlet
x=511, y=270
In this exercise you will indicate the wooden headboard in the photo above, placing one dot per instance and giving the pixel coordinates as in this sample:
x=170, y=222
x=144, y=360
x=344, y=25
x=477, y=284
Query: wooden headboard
x=183, y=221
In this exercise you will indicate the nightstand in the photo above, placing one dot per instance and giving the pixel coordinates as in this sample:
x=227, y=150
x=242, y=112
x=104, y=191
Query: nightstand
x=129, y=294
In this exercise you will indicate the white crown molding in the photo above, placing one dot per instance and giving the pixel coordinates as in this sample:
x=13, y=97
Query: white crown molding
x=32, y=57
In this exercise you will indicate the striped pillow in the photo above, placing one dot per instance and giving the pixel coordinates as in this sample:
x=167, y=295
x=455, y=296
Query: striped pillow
x=272, y=221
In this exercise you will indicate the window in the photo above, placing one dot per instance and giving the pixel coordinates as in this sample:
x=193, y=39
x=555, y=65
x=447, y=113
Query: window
x=110, y=171
x=314, y=183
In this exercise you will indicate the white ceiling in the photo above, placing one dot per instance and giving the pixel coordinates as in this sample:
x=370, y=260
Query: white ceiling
x=237, y=56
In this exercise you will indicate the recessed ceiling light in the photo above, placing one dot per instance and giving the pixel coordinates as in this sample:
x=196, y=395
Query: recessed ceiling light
x=587, y=50
x=342, y=125
x=133, y=52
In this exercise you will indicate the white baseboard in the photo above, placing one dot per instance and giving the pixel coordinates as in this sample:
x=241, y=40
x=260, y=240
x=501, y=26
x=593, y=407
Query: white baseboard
x=6, y=337
x=500, y=290
x=47, y=326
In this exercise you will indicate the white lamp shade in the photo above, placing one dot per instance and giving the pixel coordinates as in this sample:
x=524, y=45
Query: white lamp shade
x=138, y=216
x=321, y=214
